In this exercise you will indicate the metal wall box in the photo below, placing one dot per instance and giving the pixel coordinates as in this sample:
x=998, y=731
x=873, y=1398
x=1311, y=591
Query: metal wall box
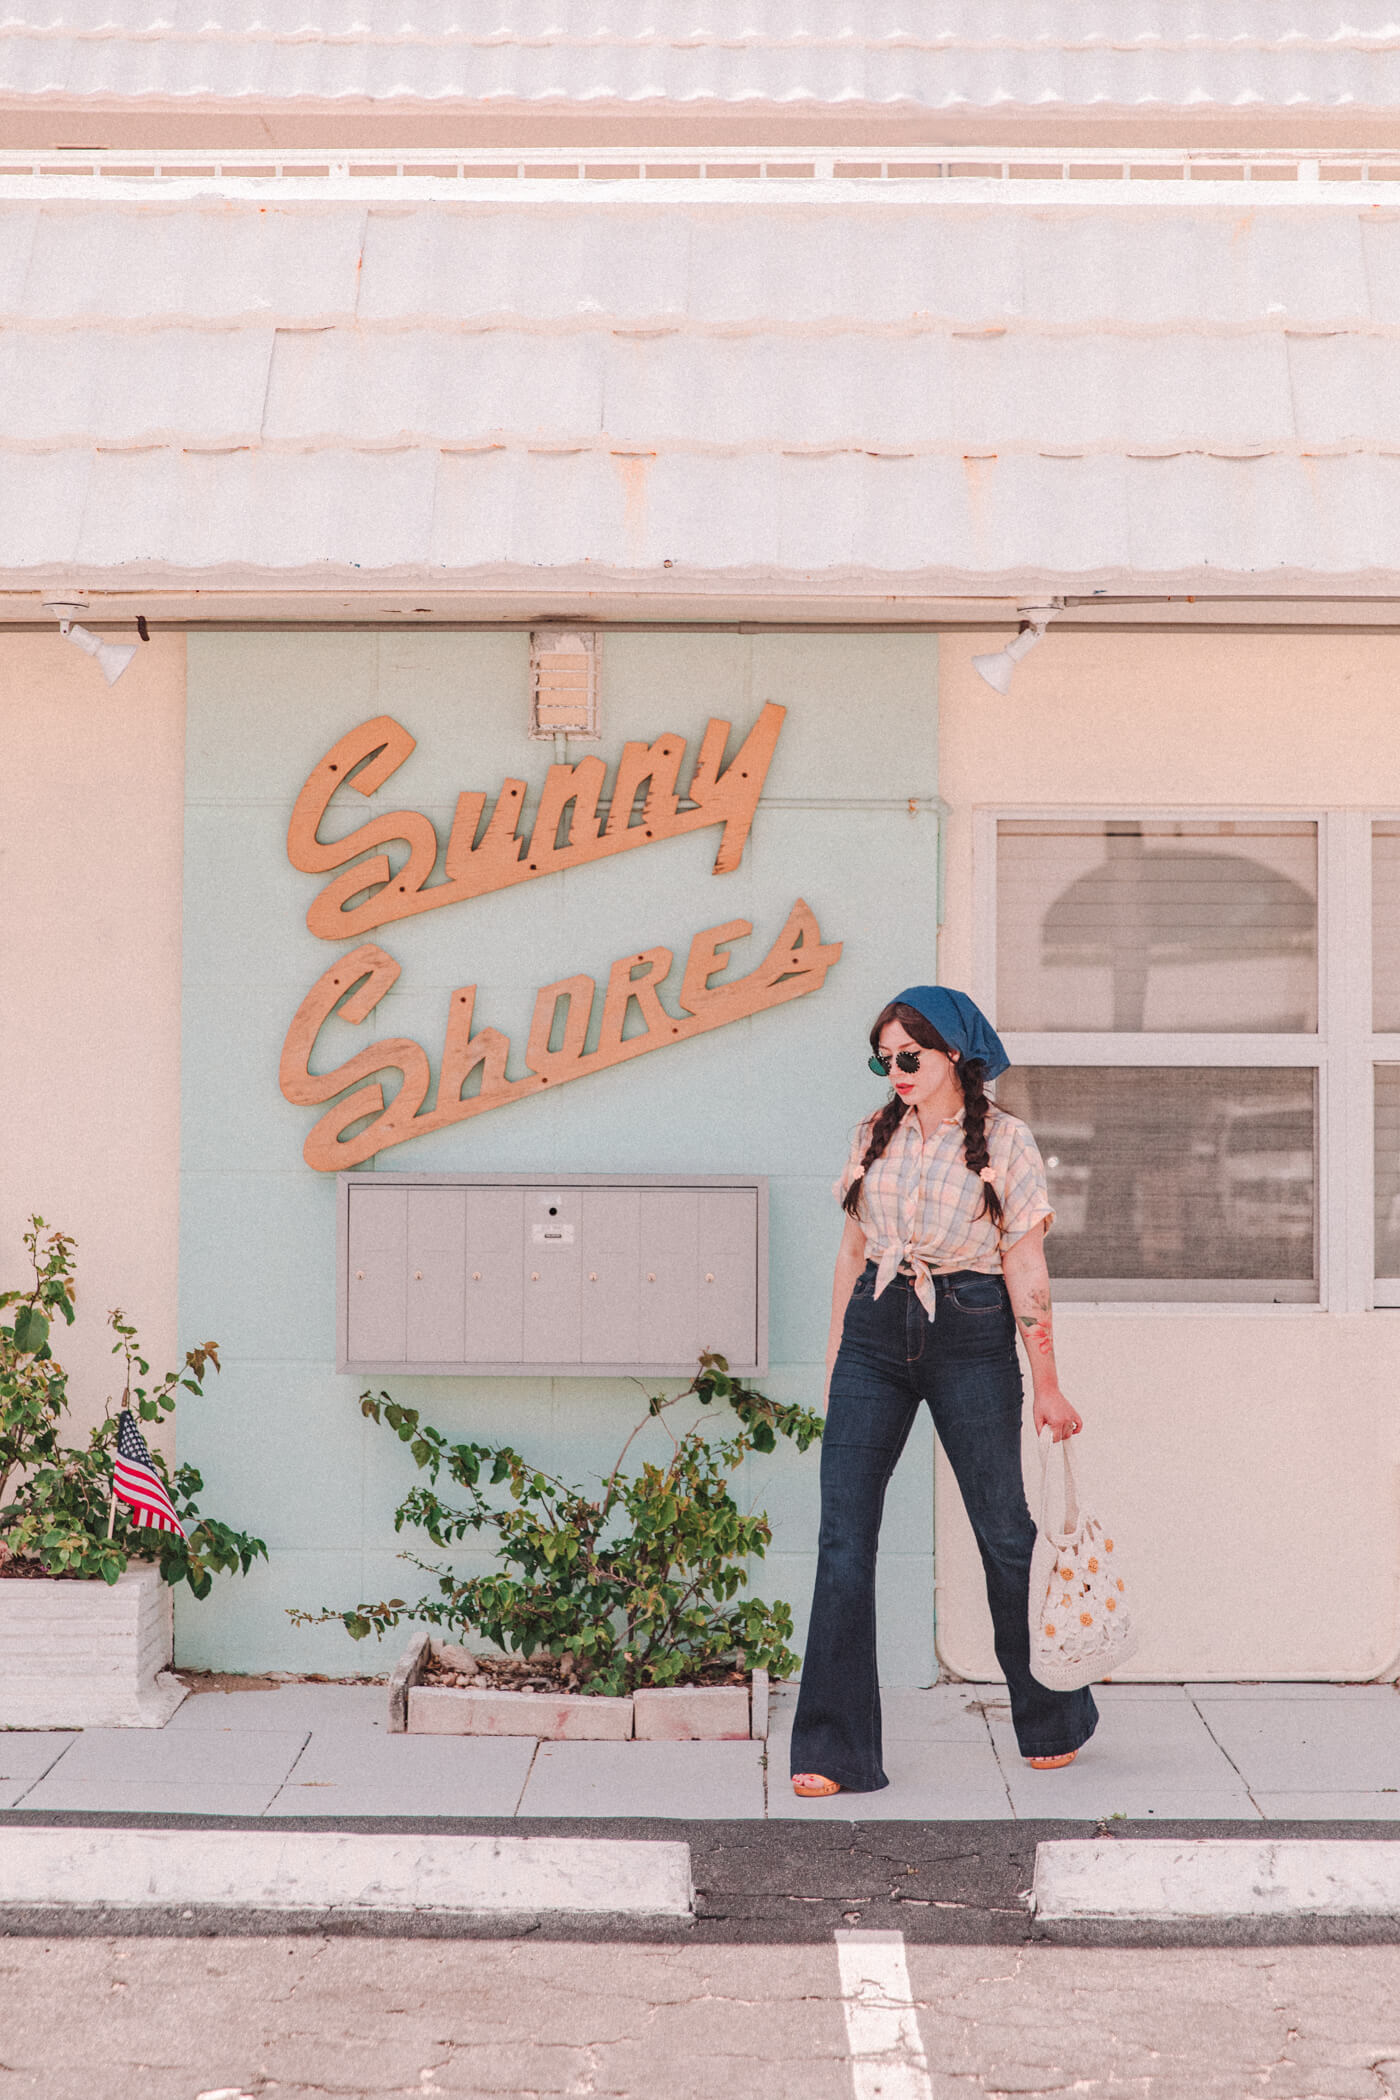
x=451, y=1275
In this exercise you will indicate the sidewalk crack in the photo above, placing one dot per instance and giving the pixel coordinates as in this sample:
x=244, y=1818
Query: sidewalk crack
x=39, y=1777
x=1249, y=1794
x=996, y=1759
x=286, y=1776
x=526, y=1780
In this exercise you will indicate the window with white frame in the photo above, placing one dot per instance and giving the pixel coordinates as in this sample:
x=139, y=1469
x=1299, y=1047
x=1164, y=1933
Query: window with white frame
x=1157, y=980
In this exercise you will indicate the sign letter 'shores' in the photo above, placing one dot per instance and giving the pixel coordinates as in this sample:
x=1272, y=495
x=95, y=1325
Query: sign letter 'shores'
x=568, y=830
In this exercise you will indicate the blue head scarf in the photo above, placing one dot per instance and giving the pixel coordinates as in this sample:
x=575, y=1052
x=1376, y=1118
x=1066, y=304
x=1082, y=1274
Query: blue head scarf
x=960, y=1021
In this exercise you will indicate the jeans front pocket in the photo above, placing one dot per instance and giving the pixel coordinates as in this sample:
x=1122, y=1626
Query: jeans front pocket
x=979, y=1295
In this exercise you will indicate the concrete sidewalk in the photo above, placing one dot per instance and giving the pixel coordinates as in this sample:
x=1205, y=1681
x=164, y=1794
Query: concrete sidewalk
x=1175, y=1752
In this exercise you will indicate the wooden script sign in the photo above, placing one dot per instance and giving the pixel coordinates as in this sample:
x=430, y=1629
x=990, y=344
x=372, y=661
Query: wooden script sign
x=568, y=830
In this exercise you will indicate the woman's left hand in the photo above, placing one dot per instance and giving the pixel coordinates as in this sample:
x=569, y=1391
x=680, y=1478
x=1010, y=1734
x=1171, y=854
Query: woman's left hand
x=1053, y=1411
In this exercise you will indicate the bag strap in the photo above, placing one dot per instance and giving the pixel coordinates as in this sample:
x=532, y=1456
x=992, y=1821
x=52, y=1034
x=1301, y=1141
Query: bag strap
x=1071, y=1518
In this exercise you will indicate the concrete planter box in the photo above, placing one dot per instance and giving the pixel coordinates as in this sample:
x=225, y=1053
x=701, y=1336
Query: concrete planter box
x=87, y=1654
x=692, y=1713
x=687, y=1714
x=570, y=1718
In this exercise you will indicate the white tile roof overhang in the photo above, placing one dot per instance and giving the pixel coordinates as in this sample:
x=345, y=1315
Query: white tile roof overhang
x=816, y=395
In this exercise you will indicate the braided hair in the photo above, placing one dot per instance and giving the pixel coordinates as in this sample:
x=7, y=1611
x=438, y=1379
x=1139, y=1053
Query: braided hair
x=977, y=1107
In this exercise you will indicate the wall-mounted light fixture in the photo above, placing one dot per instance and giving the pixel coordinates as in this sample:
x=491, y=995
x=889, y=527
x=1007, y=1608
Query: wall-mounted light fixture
x=111, y=658
x=564, y=666
x=998, y=669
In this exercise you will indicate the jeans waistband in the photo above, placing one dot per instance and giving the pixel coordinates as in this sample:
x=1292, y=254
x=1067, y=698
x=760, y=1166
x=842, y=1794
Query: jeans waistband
x=942, y=1284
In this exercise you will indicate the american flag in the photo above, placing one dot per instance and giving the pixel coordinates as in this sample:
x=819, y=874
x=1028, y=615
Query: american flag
x=135, y=1479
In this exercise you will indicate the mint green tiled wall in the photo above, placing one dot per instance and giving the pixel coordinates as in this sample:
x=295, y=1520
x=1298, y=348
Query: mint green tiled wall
x=280, y=1439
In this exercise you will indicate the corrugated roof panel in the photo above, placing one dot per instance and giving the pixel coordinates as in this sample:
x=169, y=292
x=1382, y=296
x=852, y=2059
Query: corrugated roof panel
x=472, y=262
x=17, y=227
x=204, y=261
x=1345, y=389
x=1154, y=392
x=822, y=523
x=347, y=510
x=166, y=387
x=1001, y=55
x=1380, y=253
x=761, y=264
x=760, y=393
x=1022, y=24
x=532, y=511
x=411, y=388
x=1121, y=393
x=41, y=507
x=763, y=268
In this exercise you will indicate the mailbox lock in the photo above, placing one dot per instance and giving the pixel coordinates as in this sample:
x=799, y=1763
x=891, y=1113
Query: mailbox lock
x=709, y=1277
x=359, y=1275
x=593, y=1276
x=651, y=1275
x=534, y=1275
x=418, y=1275
x=476, y=1275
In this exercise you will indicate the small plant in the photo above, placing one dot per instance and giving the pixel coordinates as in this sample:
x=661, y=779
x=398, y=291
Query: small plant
x=639, y=1584
x=62, y=1516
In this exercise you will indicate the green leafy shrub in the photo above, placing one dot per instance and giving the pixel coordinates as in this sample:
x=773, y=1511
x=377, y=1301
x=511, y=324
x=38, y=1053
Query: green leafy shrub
x=639, y=1583
x=61, y=1514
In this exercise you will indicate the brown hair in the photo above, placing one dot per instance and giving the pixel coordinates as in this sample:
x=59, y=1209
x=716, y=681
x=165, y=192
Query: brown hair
x=972, y=1078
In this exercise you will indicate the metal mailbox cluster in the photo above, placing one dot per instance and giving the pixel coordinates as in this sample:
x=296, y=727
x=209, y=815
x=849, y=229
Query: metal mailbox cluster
x=453, y=1274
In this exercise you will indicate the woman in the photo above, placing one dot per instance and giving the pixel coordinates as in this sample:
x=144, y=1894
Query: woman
x=941, y=1261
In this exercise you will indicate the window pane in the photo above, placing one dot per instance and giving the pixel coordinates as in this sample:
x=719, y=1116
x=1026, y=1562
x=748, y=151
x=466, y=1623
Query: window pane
x=1385, y=931
x=1168, y=1175
x=1388, y=1170
x=1126, y=924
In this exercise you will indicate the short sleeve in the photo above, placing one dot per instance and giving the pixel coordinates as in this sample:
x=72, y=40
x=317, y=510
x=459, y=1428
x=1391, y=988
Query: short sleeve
x=1025, y=1197
x=840, y=1188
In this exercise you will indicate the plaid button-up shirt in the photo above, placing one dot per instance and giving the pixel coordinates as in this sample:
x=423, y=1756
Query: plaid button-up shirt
x=919, y=1205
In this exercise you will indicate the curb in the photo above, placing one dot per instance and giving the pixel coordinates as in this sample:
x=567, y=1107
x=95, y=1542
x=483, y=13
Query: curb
x=1153, y=1880
x=346, y=1872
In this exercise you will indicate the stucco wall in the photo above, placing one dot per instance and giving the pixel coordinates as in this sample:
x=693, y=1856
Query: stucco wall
x=280, y=1440
x=91, y=795
x=1250, y=1461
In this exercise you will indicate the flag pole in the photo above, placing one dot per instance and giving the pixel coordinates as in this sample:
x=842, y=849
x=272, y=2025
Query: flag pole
x=112, y=1505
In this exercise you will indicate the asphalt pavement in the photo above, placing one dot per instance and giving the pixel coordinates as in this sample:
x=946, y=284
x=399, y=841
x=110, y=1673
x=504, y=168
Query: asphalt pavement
x=307, y=2018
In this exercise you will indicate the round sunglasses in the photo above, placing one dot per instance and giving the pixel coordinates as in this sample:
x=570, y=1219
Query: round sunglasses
x=907, y=1060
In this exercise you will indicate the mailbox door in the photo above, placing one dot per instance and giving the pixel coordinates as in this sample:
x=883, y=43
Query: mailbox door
x=376, y=1314
x=550, y=1270
x=491, y=1275
x=727, y=1273
x=611, y=1241
x=668, y=1328
x=437, y=1234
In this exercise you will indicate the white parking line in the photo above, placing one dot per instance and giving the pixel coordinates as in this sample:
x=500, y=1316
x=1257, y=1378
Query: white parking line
x=341, y=1870
x=887, y=2050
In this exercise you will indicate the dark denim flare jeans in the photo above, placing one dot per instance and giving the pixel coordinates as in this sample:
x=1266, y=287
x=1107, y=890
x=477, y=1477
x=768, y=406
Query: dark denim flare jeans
x=964, y=1364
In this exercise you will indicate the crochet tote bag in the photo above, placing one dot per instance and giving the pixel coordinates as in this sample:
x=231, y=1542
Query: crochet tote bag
x=1081, y=1620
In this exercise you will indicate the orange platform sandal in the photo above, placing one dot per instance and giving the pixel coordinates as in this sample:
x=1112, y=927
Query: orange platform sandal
x=1052, y=1764
x=811, y=1786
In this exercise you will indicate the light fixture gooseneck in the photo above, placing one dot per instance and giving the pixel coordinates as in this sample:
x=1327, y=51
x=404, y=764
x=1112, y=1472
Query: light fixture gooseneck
x=997, y=669
x=111, y=658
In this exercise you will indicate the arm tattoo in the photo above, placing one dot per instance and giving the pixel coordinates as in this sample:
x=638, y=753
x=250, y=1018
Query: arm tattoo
x=1036, y=1320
